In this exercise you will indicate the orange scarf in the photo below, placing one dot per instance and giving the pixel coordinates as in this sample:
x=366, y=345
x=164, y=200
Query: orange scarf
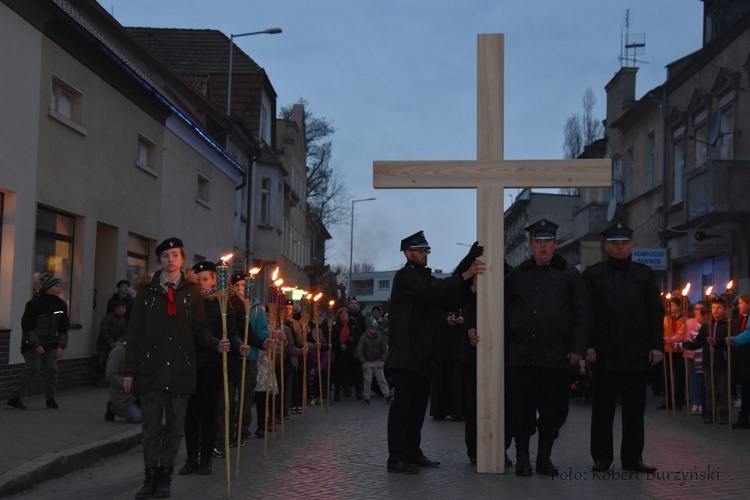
x=345, y=333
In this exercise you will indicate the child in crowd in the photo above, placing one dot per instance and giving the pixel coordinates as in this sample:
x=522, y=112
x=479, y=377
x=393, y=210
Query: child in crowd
x=372, y=353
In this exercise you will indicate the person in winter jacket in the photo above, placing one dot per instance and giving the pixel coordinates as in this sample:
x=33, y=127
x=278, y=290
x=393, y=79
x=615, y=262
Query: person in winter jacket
x=45, y=335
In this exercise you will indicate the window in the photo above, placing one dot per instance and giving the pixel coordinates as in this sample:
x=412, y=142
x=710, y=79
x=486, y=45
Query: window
x=726, y=137
x=266, y=119
x=139, y=250
x=146, y=155
x=53, y=249
x=700, y=139
x=650, y=160
x=678, y=163
x=204, y=190
x=629, y=173
x=384, y=285
x=66, y=105
x=265, y=201
x=617, y=177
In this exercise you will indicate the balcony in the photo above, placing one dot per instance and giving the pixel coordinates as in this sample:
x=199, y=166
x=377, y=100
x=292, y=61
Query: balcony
x=718, y=190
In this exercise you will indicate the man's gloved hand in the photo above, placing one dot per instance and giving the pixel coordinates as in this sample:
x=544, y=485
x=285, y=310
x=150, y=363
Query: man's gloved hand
x=475, y=252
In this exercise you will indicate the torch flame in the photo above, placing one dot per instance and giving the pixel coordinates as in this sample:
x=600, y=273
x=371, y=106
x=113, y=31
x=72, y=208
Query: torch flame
x=278, y=282
x=275, y=274
x=686, y=289
x=226, y=258
x=308, y=296
x=317, y=297
x=331, y=302
x=710, y=290
x=730, y=285
x=254, y=271
x=669, y=296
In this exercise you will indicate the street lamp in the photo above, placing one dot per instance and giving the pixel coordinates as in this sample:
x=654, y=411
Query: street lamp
x=248, y=229
x=351, y=245
x=269, y=31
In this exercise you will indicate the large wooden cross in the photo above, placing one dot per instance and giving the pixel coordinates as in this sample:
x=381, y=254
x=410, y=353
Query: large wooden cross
x=490, y=174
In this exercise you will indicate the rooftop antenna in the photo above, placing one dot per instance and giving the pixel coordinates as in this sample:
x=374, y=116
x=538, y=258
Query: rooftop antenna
x=631, y=45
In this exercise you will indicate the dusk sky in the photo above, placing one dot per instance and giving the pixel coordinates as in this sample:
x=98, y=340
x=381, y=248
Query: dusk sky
x=398, y=81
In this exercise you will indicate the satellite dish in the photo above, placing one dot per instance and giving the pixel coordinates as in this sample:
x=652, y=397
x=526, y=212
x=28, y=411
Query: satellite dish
x=714, y=128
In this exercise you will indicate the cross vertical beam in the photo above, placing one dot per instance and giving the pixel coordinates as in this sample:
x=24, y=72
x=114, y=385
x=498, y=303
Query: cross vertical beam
x=490, y=232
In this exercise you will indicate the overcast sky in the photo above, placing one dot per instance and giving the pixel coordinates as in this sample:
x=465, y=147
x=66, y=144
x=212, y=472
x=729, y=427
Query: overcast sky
x=398, y=80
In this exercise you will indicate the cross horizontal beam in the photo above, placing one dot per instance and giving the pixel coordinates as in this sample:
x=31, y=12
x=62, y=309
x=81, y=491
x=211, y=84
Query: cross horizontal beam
x=469, y=174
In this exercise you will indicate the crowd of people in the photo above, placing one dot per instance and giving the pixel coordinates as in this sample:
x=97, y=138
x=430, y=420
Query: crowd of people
x=564, y=337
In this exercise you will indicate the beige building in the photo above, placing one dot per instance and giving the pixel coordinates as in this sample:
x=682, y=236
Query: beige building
x=680, y=162
x=108, y=152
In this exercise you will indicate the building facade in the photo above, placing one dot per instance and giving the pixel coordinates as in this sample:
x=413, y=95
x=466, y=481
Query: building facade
x=680, y=162
x=110, y=151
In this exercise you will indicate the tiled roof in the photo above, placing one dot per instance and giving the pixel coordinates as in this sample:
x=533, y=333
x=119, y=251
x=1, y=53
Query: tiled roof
x=194, y=50
x=201, y=56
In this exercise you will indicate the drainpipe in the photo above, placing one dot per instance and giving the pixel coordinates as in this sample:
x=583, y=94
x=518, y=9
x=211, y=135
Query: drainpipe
x=664, y=169
x=249, y=226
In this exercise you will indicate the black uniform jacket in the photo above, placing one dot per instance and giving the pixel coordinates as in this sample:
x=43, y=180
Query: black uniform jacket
x=627, y=313
x=417, y=299
x=547, y=313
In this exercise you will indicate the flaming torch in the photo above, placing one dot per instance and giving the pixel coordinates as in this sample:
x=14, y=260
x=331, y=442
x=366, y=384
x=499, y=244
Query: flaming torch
x=668, y=374
x=222, y=284
x=728, y=303
x=305, y=308
x=316, y=316
x=249, y=296
x=709, y=292
x=685, y=292
x=330, y=353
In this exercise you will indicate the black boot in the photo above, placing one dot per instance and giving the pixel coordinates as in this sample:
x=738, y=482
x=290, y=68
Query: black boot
x=163, y=482
x=544, y=464
x=149, y=484
x=742, y=422
x=205, y=467
x=191, y=465
x=523, y=462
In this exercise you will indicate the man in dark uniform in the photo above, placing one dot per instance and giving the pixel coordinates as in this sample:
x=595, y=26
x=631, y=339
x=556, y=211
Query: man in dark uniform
x=626, y=341
x=547, y=311
x=417, y=299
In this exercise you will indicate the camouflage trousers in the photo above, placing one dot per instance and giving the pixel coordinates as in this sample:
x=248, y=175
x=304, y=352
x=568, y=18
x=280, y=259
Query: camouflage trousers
x=163, y=426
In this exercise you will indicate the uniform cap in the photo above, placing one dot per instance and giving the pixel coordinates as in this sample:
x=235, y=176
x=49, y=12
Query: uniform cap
x=416, y=240
x=617, y=232
x=543, y=230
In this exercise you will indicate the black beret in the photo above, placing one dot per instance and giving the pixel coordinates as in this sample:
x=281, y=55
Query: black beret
x=168, y=244
x=236, y=278
x=204, y=266
x=416, y=240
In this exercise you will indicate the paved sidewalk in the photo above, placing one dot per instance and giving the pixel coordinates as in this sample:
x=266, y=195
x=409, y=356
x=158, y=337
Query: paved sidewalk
x=342, y=455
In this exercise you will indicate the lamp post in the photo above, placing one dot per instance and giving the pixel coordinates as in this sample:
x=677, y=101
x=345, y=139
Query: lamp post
x=351, y=245
x=249, y=175
x=269, y=31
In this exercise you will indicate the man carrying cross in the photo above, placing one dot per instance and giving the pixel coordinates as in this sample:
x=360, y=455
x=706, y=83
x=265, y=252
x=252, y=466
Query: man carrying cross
x=416, y=301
